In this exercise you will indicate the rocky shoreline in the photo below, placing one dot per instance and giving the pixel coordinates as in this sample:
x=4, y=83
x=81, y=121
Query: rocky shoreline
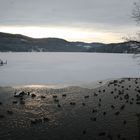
x=108, y=112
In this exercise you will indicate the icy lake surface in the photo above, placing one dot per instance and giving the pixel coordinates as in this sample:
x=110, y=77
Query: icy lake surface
x=65, y=68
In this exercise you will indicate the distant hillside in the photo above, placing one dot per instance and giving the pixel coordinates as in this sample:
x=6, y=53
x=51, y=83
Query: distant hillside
x=20, y=43
x=124, y=47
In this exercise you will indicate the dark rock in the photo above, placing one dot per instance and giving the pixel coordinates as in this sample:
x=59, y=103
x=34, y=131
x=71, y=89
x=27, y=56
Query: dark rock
x=45, y=119
x=19, y=94
x=138, y=91
x=115, y=84
x=124, y=122
x=104, y=113
x=2, y=116
x=33, y=95
x=10, y=112
x=115, y=81
x=43, y=97
x=138, y=114
x=138, y=102
x=102, y=134
x=112, y=106
x=86, y=96
x=94, y=111
x=122, y=107
x=123, y=139
x=137, y=97
x=22, y=102
x=93, y=119
x=131, y=103
x=120, y=92
x=36, y=121
x=83, y=104
x=21, y=98
x=109, y=136
x=59, y=105
x=99, y=104
x=99, y=91
x=33, y=121
x=128, y=79
x=126, y=96
x=117, y=113
x=15, y=102
x=118, y=136
x=132, y=99
x=95, y=94
x=115, y=89
x=72, y=103
x=54, y=96
x=126, y=101
x=56, y=100
x=84, y=132
x=112, y=92
x=64, y=95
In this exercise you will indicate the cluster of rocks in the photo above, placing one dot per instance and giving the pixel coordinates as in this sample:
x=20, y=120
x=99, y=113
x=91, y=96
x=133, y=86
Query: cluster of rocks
x=120, y=93
x=118, y=90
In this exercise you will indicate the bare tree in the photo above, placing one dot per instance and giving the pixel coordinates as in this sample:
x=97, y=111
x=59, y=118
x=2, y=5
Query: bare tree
x=136, y=11
x=136, y=38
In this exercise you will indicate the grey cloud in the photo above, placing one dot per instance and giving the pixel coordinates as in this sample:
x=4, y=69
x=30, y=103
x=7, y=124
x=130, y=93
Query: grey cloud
x=66, y=12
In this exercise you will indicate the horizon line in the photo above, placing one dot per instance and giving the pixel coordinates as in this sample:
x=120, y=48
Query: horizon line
x=60, y=38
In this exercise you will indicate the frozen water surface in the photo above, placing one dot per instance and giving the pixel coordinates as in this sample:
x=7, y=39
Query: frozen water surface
x=65, y=68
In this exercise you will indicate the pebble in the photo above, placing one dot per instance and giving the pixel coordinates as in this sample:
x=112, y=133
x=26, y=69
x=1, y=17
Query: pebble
x=94, y=111
x=124, y=122
x=54, y=96
x=104, y=113
x=86, y=96
x=84, y=132
x=117, y=113
x=45, y=119
x=83, y=104
x=64, y=95
x=2, y=116
x=112, y=106
x=10, y=112
x=33, y=95
x=72, y=103
x=43, y=97
x=56, y=100
x=15, y=102
x=59, y=105
x=109, y=136
x=102, y=134
x=93, y=119
x=122, y=107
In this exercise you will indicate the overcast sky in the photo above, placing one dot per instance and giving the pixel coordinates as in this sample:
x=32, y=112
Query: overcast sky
x=105, y=18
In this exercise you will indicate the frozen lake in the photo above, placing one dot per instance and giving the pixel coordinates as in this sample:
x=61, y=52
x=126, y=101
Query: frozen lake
x=65, y=68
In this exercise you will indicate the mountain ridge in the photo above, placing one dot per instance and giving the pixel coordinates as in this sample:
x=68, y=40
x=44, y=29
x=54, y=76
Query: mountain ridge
x=22, y=43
